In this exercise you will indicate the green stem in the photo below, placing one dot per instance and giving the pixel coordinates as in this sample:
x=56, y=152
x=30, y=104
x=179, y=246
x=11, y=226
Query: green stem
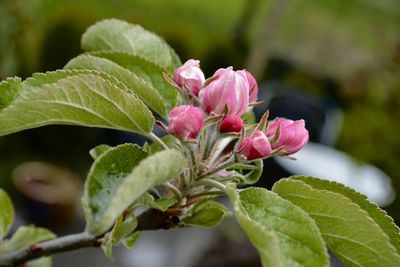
x=210, y=182
x=177, y=193
x=157, y=140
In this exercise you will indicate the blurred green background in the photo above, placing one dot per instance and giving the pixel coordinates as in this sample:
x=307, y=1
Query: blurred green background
x=354, y=44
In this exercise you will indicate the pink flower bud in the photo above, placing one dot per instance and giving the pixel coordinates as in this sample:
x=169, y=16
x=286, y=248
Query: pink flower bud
x=231, y=124
x=253, y=87
x=228, y=89
x=255, y=146
x=190, y=75
x=185, y=121
x=293, y=135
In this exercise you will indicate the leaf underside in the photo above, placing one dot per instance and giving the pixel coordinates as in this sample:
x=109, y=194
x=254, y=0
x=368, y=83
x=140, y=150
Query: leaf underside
x=350, y=233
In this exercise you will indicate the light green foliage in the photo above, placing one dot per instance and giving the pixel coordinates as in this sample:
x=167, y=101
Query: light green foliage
x=123, y=228
x=85, y=100
x=120, y=75
x=120, y=176
x=41, y=262
x=150, y=72
x=27, y=235
x=6, y=214
x=299, y=238
x=161, y=204
x=9, y=90
x=349, y=231
x=98, y=150
x=118, y=35
x=378, y=215
x=105, y=176
x=206, y=214
x=265, y=241
x=130, y=241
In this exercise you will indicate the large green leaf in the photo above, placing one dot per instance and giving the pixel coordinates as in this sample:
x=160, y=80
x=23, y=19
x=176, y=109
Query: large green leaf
x=118, y=35
x=378, y=215
x=9, y=90
x=145, y=69
x=6, y=214
x=350, y=233
x=265, y=241
x=133, y=83
x=298, y=235
x=84, y=100
x=117, y=179
x=206, y=214
x=105, y=176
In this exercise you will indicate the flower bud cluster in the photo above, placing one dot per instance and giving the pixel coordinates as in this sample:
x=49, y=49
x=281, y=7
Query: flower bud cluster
x=218, y=103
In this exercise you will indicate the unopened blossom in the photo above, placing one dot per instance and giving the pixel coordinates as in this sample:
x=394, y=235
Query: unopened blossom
x=190, y=75
x=255, y=146
x=231, y=124
x=253, y=87
x=293, y=135
x=228, y=91
x=185, y=121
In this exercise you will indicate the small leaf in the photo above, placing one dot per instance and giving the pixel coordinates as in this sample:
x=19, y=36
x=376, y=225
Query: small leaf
x=9, y=90
x=350, y=233
x=25, y=236
x=105, y=176
x=303, y=247
x=145, y=69
x=378, y=215
x=131, y=82
x=119, y=189
x=254, y=175
x=130, y=241
x=161, y=204
x=98, y=150
x=169, y=140
x=84, y=100
x=118, y=35
x=265, y=241
x=6, y=214
x=40, y=262
x=123, y=227
x=206, y=214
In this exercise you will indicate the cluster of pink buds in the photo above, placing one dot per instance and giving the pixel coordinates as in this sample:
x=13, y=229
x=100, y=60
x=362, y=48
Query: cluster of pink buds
x=218, y=104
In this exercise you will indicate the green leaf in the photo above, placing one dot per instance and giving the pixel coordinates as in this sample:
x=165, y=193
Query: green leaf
x=206, y=214
x=254, y=175
x=123, y=227
x=9, y=90
x=6, y=214
x=131, y=82
x=104, y=178
x=350, y=233
x=130, y=241
x=265, y=241
x=28, y=235
x=119, y=189
x=98, y=150
x=145, y=69
x=169, y=140
x=40, y=262
x=118, y=35
x=298, y=235
x=377, y=214
x=161, y=204
x=84, y=100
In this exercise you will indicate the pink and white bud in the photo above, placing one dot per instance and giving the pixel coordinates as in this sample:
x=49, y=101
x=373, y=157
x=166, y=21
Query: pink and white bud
x=293, y=135
x=253, y=91
x=190, y=75
x=229, y=90
x=231, y=124
x=185, y=121
x=255, y=146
